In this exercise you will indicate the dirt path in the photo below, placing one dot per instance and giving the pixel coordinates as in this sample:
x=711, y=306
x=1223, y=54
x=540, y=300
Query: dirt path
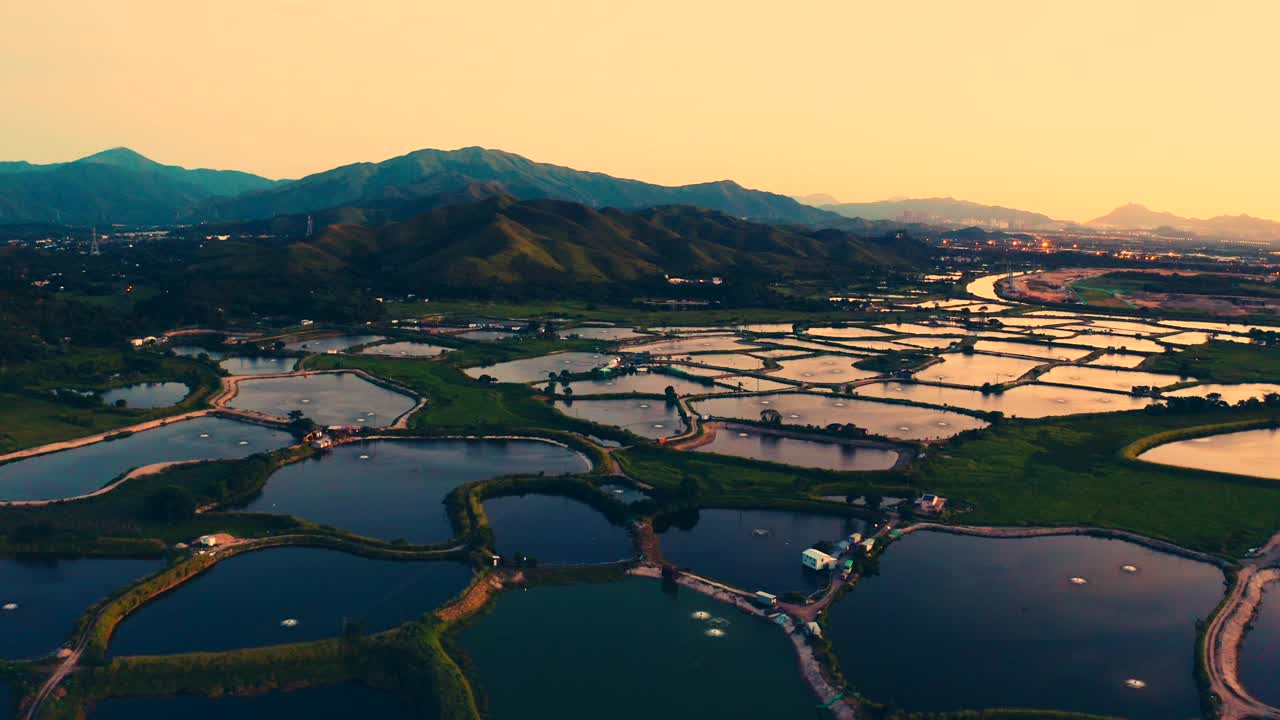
x=1227, y=629
x=476, y=597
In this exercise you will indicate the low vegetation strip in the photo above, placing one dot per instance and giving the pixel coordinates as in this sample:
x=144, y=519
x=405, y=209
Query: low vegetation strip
x=1136, y=448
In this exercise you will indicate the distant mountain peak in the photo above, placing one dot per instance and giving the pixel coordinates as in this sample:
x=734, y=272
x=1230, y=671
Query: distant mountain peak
x=120, y=157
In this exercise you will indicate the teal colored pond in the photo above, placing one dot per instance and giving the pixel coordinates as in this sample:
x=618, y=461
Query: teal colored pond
x=327, y=398
x=147, y=395
x=1260, y=653
x=633, y=652
x=556, y=530
x=327, y=702
x=395, y=489
x=258, y=365
x=241, y=601
x=51, y=595
x=1005, y=626
x=752, y=549
x=84, y=469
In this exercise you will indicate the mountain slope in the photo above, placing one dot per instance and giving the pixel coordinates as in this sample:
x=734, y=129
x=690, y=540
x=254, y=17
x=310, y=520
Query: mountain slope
x=556, y=244
x=426, y=173
x=1138, y=217
x=942, y=211
x=117, y=185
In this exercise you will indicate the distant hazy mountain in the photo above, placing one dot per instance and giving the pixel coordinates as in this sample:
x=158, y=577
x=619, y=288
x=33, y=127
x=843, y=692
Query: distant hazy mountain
x=817, y=200
x=427, y=173
x=554, y=243
x=113, y=186
x=1139, y=217
x=943, y=211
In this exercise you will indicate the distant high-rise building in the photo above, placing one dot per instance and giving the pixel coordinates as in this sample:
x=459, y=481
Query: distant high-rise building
x=93, y=242
x=310, y=226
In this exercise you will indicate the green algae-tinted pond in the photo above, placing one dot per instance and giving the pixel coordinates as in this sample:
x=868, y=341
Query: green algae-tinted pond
x=84, y=469
x=815, y=452
x=327, y=702
x=52, y=594
x=1000, y=623
x=395, y=489
x=1249, y=452
x=147, y=395
x=556, y=530
x=243, y=600
x=752, y=549
x=646, y=417
x=240, y=365
x=326, y=398
x=634, y=652
x=1260, y=653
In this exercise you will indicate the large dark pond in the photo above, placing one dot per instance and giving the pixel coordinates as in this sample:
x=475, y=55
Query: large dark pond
x=395, y=489
x=634, y=652
x=328, y=702
x=1001, y=623
x=556, y=530
x=753, y=549
x=328, y=399
x=243, y=601
x=51, y=595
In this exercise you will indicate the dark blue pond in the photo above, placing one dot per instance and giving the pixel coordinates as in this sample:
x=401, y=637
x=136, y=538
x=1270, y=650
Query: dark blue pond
x=51, y=595
x=147, y=395
x=556, y=530
x=395, y=489
x=328, y=702
x=957, y=622
x=753, y=549
x=242, y=601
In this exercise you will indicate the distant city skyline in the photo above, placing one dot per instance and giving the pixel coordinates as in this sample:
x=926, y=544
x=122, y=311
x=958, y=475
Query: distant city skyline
x=1068, y=111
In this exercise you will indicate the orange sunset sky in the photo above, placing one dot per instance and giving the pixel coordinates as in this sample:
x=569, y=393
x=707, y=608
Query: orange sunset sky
x=1064, y=108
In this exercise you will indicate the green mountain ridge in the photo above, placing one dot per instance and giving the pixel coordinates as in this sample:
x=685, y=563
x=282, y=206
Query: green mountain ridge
x=113, y=186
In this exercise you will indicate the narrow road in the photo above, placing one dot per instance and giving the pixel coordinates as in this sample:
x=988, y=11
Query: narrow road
x=1227, y=629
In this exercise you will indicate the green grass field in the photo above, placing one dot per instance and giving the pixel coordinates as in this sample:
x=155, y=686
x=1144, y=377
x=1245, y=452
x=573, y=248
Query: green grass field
x=1220, y=361
x=31, y=416
x=1067, y=471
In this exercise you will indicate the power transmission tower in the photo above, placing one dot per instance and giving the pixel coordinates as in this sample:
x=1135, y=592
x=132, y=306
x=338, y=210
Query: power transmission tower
x=93, y=243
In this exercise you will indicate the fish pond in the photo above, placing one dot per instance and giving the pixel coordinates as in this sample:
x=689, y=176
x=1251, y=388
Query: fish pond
x=957, y=369
x=893, y=420
x=752, y=549
x=1260, y=653
x=325, y=702
x=649, y=383
x=538, y=369
x=1024, y=401
x=246, y=601
x=147, y=395
x=405, y=349
x=52, y=594
x=333, y=344
x=1059, y=623
x=556, y=530
x=395, y=489
x=258, y=365
x=326, y=398
x=1249, y=452
x=1104, y=379
x=745, y=668
x=646, y=417
x=815, y=451
x=82, y=470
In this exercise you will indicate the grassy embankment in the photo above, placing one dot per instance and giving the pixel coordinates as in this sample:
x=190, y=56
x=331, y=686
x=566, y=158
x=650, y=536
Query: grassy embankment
x=30, y=414
x=1075, y=471
x=1220, y=361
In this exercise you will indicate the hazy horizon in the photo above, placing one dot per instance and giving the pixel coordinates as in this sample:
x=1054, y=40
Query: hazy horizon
x=1069, y=112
